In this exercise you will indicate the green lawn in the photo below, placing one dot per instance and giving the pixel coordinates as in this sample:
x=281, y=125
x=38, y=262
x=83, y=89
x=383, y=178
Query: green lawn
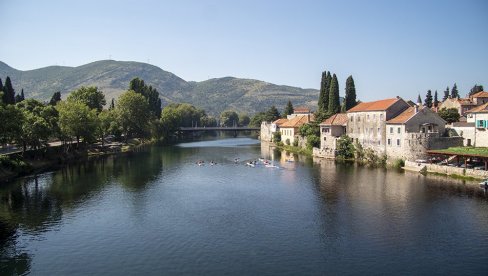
x=466, y=150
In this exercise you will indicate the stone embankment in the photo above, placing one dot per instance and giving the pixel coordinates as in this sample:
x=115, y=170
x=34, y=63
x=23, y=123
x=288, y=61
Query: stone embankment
x=447, y=170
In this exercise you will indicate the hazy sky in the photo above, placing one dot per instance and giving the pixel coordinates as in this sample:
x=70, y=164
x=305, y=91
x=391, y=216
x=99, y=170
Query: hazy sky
x=390, y=47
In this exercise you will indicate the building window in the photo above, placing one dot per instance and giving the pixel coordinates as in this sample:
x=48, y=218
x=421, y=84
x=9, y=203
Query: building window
x=359, y=119
x=399, y=131
x=352, y=118
x=398, y=142
x=368, y=116
x=391, y=129
x=378, y=131
x=389, y=142
x=381, y=116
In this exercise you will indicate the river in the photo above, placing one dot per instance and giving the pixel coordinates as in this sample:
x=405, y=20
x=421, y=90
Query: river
x=157, y=212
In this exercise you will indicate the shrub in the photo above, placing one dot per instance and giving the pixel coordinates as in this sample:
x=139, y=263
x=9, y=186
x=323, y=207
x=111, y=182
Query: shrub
x=277, y=137
x=313, y=141
x=287, y=142
x=345, y=148
x=295, y=143
x=398, y=163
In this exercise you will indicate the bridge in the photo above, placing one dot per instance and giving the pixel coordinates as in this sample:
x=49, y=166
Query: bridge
x=194, y=129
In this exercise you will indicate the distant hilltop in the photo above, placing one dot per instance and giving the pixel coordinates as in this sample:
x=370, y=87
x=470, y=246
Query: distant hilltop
x=113, y=77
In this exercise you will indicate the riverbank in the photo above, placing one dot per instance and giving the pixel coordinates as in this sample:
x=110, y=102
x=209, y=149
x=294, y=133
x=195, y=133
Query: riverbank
x=33, y=162
x=455, y=172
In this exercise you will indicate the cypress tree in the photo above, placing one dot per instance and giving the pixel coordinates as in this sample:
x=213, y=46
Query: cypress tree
x=55, y=98
x=22, y=94
x=428, y=99
x=323, y=92
x=436, y=100
x=446, y=94
x=8, y=92
x=288, y=109
x=454, y=92
x=476, y=88
x=112, y=104
x=334, y=102
x=350, y=100
x=1, y=85
x=19, y=97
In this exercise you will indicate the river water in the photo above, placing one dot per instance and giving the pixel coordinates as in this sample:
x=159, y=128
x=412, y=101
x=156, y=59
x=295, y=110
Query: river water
x=157, y=212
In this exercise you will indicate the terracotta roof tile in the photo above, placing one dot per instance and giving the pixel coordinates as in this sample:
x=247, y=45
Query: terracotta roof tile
x=403, y=117
x=481, y=94
x=374, y=106
x=479, y=109
x=301, y=110
x=279, y=122
x=339, y=119
x=296, y=122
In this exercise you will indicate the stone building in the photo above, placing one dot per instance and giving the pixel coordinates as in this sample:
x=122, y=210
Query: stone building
x=268, y=129
x=330, y=130
x=416, y=130
x=289, y=129
x=465, y=130
x=367, y=122
x=479, y=117
x=465, y=104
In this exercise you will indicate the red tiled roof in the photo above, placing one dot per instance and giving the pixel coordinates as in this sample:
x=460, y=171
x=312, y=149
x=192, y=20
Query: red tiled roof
x=481, y=94
x=374, y=106
x=479, y=109
x=339, y=119
x=403, y=117
x=296, y=122
x=301, y=110
x=279, y=122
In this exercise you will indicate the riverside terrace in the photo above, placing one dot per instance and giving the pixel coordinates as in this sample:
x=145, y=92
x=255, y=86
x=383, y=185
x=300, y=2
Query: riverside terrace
x=475, y=158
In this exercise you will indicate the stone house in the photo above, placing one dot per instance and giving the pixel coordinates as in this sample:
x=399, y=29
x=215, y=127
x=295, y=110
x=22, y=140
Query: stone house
x=268, y=129
x=330, y=130
x=465, y=130
x=465, y=104
x=479, y=117
x=416, y=130
x=289, y=129
x=367, y=122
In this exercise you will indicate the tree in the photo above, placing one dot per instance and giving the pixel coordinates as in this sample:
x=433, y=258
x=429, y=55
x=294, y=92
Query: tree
x=449, y=115
x=133, y=114
x=229, y=118
x=436, y=100
x=454, y=92
x=345, y=147
x=446, y=94
x=19, y=97
x=334, y=101
x=257, y=119
x=150, y=93
x=112, y=104
x=428, y=99
x=91, y=96
x=78, y=120
x=419, y=100
x=324, y=93
x=244, y=119
x=8, y=92
x=56, y=97
x=476, y=88
x=288, y=109
x=106, y=124
x=272, y=114
x=350, y=100
x=11, y=125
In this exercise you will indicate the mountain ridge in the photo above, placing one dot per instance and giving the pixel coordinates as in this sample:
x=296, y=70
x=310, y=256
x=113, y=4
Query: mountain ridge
x=112, y=77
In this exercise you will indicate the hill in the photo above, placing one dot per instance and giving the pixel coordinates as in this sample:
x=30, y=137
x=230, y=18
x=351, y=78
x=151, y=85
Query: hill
x=113, y=77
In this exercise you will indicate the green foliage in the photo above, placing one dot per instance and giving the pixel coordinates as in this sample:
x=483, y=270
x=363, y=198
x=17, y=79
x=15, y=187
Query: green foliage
x=14, y=164
x=350, y=100
x=449, y=115
x=257, y=119
x=55, y=98
x=287, y=142
x=334, y=101
x=90, y=96
x=446, y=94
x=150, y=93
x=345, y=148
x=288, y=109
x=476, y=88
x=309, y=129
x=8, y=96
x=313, y=141
x=229, y=118
x=359, y=151
x=179, y=115
x=11, y=125
x=272, y=114
x=277, y=136
x=436, y=99
x=244, y=119
x=454, y=92
x=78, y=120
x=428, y=99
x=398, y=163
x=323, y=102
x=133, y=114
x=20, y=97
x=107, y=124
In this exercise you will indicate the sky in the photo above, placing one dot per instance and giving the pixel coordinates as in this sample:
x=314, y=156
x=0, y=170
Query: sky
x=391, y=48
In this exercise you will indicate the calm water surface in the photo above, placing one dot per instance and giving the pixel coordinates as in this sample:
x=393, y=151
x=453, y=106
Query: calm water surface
x=157, y=212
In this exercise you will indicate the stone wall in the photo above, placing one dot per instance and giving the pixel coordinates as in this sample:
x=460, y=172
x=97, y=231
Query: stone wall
x=414, y=146
x=266, y=134
x=448, y=170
